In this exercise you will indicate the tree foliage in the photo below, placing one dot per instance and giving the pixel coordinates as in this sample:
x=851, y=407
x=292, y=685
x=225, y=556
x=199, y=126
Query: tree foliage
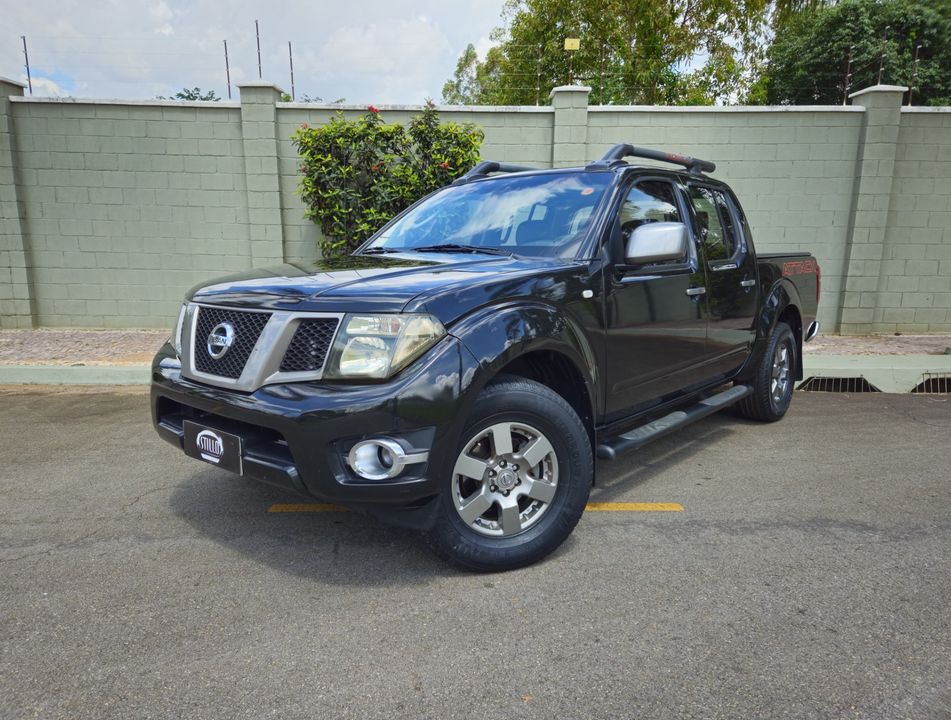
x=194, y=93
x=632, y=51
x=357, y=174
x=808, y=60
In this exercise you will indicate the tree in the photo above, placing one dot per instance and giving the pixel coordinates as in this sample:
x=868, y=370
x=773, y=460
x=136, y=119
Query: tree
x=192, y=94
x=807, y=62
x=632, y=51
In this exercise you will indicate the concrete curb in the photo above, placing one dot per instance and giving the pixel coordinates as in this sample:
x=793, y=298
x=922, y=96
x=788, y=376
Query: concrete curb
x=75, y=374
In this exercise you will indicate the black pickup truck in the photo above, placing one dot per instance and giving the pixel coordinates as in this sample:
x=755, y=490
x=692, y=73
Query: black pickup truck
x=461, y=372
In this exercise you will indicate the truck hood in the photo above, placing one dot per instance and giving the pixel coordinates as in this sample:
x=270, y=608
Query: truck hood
x=447, y=285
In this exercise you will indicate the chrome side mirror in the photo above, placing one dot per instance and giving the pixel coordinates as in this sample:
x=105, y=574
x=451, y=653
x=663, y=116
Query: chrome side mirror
x=656, y=242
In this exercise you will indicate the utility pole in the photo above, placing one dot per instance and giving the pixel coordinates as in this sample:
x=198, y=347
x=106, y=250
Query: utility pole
x=26, y=57
x=914, y=76
x=227, y=69
x=538, y=77
x=848, y=76
x=290, y=56
x=257, y=34
x=881, y=60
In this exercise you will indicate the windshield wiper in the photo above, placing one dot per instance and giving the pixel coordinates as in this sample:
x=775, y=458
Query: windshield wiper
x=381, y=250
x=452, y=247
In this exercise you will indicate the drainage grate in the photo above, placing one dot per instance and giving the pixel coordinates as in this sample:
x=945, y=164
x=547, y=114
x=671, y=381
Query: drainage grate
x=838, y=384
x=933, y=383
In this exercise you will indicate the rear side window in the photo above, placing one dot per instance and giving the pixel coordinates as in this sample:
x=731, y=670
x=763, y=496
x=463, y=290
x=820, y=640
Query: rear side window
x=715, y=226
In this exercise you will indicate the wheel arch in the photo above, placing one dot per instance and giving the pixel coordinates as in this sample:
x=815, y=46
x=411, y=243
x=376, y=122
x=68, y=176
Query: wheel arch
x=536, y=342
x=781, y=304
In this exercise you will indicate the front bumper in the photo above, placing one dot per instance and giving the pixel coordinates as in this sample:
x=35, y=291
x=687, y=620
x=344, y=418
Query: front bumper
x=297, y=435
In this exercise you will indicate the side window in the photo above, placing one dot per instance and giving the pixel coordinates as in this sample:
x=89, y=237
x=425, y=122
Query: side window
x=648, y=201
x=715, y=226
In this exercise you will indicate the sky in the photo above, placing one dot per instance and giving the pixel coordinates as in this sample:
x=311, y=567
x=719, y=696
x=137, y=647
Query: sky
x=362, y=51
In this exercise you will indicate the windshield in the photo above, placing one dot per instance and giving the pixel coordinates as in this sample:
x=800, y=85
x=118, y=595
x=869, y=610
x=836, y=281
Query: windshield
x=535, y=215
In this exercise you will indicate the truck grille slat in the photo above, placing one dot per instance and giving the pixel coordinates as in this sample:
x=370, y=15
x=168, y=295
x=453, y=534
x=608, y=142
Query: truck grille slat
x=309, y=346
x=248, y=326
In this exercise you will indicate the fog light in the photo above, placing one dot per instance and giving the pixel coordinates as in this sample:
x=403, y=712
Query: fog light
x=382, y=458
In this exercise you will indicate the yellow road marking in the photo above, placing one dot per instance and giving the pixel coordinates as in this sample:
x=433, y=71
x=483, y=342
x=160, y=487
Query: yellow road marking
x=591, y=507
x=633, y=507
x=305, y=507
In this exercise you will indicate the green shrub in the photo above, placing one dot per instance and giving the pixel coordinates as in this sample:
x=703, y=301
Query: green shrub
x=357, y=174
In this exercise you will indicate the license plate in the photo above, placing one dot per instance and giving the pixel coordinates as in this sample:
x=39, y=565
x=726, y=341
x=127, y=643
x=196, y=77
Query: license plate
x=213, y=446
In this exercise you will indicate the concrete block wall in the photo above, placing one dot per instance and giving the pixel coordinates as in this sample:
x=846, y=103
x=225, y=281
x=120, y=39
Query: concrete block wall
x=914, y=287
x=128, y=205
x=111, y=210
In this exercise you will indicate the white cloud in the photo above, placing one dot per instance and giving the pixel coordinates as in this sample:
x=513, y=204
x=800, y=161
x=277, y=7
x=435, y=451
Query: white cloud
x=483, y=45
x=46, y=86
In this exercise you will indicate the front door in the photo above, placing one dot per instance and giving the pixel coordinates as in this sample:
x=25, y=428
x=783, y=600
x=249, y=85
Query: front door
x=731, y=276
x=655, y=315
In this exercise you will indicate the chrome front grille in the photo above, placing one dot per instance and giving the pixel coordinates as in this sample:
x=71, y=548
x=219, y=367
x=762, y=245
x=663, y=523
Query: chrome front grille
x=248, y=326
x=266, y=347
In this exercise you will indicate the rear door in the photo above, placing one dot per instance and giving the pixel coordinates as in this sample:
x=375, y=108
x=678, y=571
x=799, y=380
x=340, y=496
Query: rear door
x=655, y=315
x=731, y=275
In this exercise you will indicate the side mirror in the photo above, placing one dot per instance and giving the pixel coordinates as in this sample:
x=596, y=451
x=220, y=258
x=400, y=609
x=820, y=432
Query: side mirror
x=656, y=242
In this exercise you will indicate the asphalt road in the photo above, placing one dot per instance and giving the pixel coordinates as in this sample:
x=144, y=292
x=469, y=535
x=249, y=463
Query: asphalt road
x=809, y=576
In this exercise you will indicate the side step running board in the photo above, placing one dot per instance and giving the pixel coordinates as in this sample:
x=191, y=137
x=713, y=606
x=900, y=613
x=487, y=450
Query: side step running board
x=634, y=439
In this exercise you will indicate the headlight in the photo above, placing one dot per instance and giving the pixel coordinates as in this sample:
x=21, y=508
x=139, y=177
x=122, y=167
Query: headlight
x=377, y=346
x=179, y=327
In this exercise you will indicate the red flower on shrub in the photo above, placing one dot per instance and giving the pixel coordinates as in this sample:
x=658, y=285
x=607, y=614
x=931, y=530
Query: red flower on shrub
x=304, y=126
x=374, y=168
x=375, y=111
x=444, y=165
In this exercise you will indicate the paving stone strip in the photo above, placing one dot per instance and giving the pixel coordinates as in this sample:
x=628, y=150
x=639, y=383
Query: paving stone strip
x=79, y=347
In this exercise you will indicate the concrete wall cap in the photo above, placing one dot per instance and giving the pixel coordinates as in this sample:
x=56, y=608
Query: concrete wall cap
x=880, y=88
x=210, y=104
x=260, y=84
x=351, y=107
x=569, y=88
x=727, y=108
x=925, y=109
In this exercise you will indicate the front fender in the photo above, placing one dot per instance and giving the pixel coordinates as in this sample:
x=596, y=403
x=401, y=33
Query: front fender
x=496, y=336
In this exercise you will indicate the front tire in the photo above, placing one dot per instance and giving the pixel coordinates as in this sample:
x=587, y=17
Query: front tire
x=773, y=378
x=520, y=482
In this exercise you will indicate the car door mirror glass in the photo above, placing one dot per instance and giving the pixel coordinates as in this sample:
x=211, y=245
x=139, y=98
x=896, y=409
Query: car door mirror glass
x=656, y=242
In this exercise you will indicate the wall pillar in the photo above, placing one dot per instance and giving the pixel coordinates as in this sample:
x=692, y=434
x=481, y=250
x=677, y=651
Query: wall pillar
x=16, y=290
x=570, y=139
x=259, y=134
x=875, y=169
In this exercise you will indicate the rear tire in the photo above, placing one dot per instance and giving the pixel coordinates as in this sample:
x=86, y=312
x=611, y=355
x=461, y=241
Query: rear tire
x=773, y=378
x=521, y=479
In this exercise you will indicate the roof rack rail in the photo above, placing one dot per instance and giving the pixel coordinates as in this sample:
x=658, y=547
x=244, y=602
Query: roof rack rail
x=620, y=151
x=489, y=166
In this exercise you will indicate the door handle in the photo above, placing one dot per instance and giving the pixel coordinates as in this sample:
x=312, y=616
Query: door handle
x=695, y=291
x=747, y=283
x=723, y=266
